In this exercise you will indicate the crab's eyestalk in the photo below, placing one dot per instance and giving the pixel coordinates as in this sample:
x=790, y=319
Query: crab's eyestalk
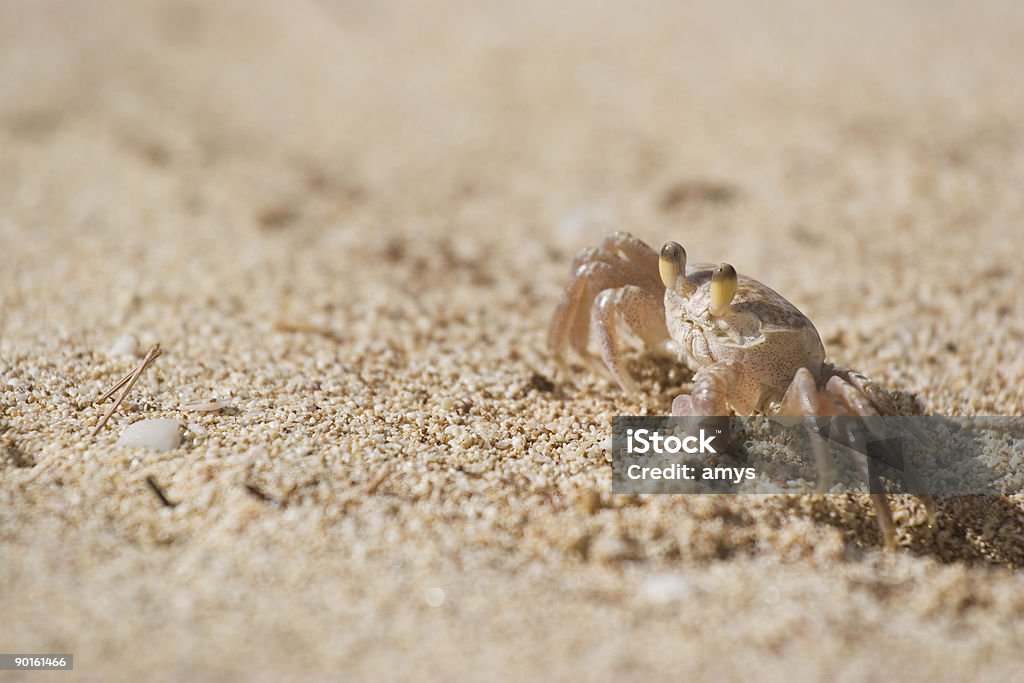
x=672, y=264
x=723, y=289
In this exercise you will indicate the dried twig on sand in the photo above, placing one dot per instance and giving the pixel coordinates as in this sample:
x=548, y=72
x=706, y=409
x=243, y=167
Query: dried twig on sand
x=158, y=490
x=128, y=381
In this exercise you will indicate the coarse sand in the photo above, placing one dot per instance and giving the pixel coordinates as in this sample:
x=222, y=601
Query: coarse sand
x=350, y=221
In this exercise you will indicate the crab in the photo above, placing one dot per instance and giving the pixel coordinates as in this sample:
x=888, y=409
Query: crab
x=750, y=349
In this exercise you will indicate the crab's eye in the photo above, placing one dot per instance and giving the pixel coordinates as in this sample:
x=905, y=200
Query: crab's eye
x=723, y=288
x=672, y=263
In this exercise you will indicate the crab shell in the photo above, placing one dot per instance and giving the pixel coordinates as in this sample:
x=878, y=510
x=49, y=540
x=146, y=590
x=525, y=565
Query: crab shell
x=761, y=329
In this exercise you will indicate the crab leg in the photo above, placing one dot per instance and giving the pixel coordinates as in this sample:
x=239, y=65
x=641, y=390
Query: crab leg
x=643, y=313
x=861, y=397
x=814, y=408
x=571, y=323
x=716, y=388
x=594, y=271
x=635, y=250
x=847, y=394
x=883, y=513
x=838, y=399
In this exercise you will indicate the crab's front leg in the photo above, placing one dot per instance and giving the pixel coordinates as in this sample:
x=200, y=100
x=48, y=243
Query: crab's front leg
x=717, y=388
x=618, y=280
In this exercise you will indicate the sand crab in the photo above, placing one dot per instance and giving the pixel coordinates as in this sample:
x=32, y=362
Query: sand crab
x=751, y=350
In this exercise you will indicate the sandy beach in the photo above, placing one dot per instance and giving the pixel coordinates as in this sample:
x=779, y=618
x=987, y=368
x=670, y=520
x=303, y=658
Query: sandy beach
x=350, y=222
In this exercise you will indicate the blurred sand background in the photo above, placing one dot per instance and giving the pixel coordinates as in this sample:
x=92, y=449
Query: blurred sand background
x=353, y=219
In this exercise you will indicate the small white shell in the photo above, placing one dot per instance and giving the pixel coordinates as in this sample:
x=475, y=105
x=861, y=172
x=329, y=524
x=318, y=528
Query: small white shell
x=125, y=345
x=666, y=588
x=157, y=435
x=204, y=404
